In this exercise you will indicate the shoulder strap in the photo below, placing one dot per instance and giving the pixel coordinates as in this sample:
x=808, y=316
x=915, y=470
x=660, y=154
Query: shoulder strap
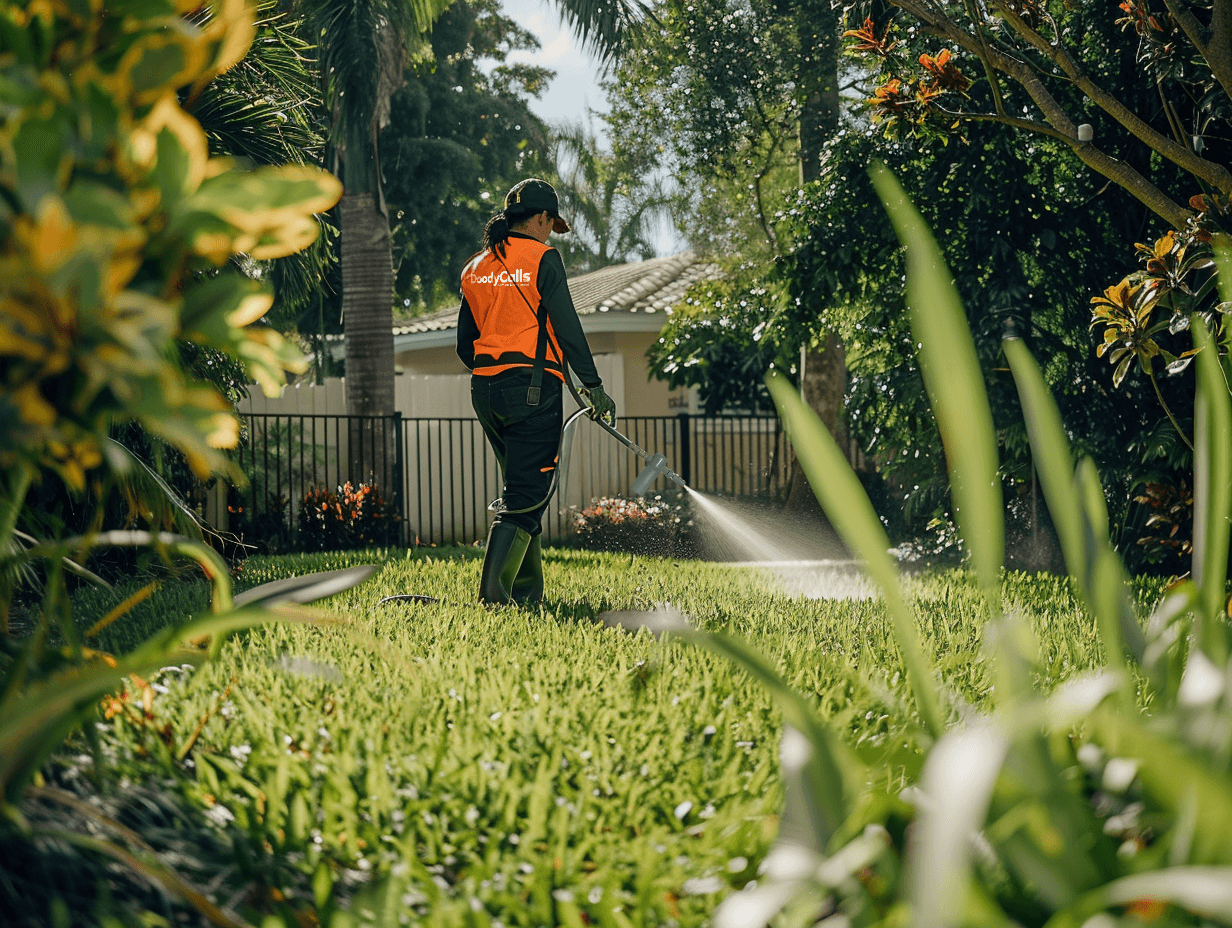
x=541, y=343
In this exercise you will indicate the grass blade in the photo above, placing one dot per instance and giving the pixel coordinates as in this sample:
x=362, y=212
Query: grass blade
x=826, y=789
x=1204, y=891
x=955, y=385
x=306, y=588
x=1075, y=503
x=1212, y=490
x=1050, y=452
x=848, y=508
x=1173, y=778
x=958, y=780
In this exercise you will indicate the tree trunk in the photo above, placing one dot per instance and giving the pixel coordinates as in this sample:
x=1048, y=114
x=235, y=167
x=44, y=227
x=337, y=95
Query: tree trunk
x=367, y=319
x=823, y=384
x=823, y=374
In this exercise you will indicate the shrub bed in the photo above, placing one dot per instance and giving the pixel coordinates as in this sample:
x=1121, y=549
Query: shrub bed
x=632, y=526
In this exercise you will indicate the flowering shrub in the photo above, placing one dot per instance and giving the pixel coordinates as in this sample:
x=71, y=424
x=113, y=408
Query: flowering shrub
x=353, y=517
x=632, y=526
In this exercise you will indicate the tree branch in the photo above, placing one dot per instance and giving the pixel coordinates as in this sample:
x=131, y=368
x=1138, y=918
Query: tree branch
x=776, y=138
x=1114, y=169
x=1214, y=44
x=1016, y=122
x=1028, y=76
x=1214, y=174
x=990, y=73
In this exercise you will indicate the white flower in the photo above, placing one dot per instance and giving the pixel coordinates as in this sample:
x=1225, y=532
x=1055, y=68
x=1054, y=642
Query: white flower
x=683, y=809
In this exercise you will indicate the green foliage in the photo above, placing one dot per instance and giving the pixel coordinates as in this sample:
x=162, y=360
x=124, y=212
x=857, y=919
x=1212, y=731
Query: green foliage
x=1145, y=67
x=117, y=229
x=723, y=338
x=1050, y=808
x=712, y=94
x=113, y=210
x=1025, y=246
x=1152, y=91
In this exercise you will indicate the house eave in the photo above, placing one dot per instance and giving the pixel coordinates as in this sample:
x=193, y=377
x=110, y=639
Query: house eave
x=592, y=323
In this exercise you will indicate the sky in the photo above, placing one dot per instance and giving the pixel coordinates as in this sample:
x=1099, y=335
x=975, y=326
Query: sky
x=576, y=85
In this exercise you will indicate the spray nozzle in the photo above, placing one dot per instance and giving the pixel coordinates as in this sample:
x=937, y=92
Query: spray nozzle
x=656, y=465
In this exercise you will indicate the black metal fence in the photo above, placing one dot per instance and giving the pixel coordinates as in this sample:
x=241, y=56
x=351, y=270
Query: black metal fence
x=435, y=477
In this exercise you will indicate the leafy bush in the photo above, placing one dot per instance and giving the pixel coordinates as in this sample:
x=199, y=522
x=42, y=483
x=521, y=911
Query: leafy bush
x=641, y=526
x=1110, y=795
x=1167, y=538
x=120, y=242
x=353, y=517
x=263, y=527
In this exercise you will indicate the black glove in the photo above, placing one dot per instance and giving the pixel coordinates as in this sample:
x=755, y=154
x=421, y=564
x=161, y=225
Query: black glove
x=602, y=406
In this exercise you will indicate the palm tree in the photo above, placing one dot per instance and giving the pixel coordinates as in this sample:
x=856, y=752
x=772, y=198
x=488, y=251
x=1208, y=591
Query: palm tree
x=614, y=205
x=267, y=110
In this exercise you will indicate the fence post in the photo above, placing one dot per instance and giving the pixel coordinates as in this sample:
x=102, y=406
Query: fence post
x=399, y=477
x=686, y=449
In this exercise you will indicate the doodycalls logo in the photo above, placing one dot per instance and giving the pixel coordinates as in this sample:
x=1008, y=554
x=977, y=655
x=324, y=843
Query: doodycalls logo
x=502, y=278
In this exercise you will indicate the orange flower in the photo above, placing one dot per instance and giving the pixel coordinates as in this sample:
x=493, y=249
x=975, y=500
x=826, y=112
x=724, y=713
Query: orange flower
x=867, y=42
x=944, y=73
x=893, y=97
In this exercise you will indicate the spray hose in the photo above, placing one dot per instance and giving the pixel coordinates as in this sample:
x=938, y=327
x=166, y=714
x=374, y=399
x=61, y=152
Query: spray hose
x=656, y=464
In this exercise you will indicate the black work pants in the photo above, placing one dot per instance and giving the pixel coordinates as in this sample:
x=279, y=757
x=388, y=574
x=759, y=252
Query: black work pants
x=525, y=438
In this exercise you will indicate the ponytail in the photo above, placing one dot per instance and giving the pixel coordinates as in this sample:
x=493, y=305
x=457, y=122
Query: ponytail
x=496, y=232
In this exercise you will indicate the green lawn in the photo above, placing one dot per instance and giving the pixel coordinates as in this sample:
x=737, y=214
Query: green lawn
x=519, y=767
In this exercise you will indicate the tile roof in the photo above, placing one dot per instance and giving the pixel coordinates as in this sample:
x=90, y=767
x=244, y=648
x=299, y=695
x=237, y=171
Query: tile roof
x=639, y=287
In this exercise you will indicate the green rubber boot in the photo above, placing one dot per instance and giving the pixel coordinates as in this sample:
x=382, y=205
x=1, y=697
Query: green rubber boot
x=501, y=561
x=528, y=584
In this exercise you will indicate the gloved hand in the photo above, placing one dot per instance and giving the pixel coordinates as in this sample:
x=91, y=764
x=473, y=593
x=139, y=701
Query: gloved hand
x=602, y=406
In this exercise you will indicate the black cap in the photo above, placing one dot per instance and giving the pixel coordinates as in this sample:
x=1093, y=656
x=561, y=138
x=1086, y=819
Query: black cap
x=539, y=196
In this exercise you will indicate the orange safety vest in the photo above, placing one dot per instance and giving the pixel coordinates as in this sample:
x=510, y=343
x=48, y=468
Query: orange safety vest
x=514, y=329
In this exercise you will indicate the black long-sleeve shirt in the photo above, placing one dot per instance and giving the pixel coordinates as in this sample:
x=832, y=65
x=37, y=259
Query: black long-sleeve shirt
x=554, y=291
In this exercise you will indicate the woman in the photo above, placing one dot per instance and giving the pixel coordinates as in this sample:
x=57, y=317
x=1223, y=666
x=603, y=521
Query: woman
x=517, y=329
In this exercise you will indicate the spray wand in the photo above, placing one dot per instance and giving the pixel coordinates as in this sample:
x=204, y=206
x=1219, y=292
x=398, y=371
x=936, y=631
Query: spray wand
x=656, y=464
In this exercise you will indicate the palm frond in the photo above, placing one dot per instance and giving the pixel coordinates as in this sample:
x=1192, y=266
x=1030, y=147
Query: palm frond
x=361, y=53
x=605, y=27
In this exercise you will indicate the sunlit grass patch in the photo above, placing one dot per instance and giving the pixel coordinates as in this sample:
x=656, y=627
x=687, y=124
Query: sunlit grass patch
x=522, y=762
